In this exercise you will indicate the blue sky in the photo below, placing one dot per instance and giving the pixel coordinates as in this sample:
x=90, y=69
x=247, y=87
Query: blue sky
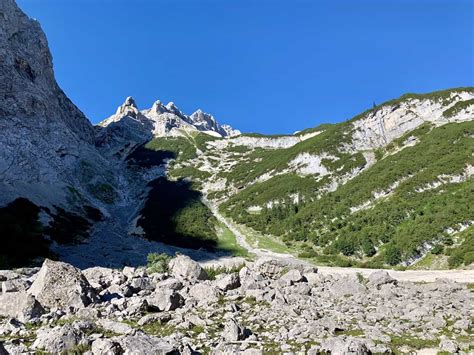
x=261, y=66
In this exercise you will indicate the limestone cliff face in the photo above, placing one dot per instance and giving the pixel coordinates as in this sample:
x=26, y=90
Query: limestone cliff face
x=392, y=120
x=43, y=135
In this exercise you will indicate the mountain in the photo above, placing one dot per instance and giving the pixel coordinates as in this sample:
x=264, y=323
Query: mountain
x=130, y=125
x=391, y=186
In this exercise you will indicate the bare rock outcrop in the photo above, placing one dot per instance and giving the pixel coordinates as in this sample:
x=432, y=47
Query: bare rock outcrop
x=60, y=285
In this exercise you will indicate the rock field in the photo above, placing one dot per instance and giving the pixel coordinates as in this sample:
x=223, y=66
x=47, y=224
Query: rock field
x=266, y=307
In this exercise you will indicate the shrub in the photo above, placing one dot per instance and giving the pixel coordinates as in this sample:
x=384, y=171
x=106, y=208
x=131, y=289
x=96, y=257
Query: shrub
x=437, y=249
x=158, y=262
x=212, y=272
x=392, y=255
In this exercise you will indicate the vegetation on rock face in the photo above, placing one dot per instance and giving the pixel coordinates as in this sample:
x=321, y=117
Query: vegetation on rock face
x=395, y=226
x=103, y=192
x=464, y=253
x=180, y=147
x=174, y=214
x=458, y=107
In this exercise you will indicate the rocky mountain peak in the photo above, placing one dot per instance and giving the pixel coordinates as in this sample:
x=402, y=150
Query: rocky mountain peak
x=164, y=120
x=158, y=107
x=129, y=101
x=128, y=108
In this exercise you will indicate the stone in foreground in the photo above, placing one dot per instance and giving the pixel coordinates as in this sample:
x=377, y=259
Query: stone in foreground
x=60, y=285
x=184, y=267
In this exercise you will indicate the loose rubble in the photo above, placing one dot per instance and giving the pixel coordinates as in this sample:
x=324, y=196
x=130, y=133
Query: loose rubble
x=269, y=306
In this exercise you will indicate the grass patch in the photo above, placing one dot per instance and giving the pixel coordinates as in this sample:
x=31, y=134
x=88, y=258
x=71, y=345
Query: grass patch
x=213, y=272
x=158, y=262
x=227, y=242
x=412, y=342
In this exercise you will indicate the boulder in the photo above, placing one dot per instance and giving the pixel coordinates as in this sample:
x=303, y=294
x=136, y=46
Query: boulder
x=171, y=283
x=59, y=339
x=10, y=326
x=116, y=291
x=227, y=282
x=233, y=331
x=463, y=324
x=270, y=268
x=141, y=283
x=449, y=346
x=347, y=286
x=102, y=277
x=136, y=306
x=165, y=300
x=143, y=344
x=105, y=346
x=205, y=293
x=20, y=305
x=129, y=272
x=314, y=278
x=341, y=345
x=60, y=285
x=160, y=318
x=291, y=277
x=184, y=267
x=115, y=327
x=379, y=278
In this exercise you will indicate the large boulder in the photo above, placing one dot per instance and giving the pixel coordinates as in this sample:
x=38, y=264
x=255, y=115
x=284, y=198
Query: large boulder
x=184, y=267
x=59, y=339
x=347, y=286
x=227, y=282
x=343, y=345
x=143, y=344
x=379, y=278
x=233, y=331
x=270, y=268
x=165, y=300
x=171, y=284
x=115, y=327
x=291, y=277
x=205, y=293
x=20, y=305
x=449, y=346
x=105, y=346
x=60, y=285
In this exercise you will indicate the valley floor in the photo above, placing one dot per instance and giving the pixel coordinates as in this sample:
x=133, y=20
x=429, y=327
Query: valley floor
x=110, y=245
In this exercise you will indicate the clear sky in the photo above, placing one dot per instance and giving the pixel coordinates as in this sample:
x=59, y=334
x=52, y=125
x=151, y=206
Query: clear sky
x=261, y=66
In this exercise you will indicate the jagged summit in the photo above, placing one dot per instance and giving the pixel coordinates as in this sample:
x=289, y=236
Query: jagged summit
x=129, y=107
x=167, y=120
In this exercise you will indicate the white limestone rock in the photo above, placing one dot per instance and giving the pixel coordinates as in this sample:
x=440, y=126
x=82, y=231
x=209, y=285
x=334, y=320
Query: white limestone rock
x=183, y=267
x=60, y=285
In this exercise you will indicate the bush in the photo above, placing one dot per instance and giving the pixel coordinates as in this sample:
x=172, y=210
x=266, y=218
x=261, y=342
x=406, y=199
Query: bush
x=212, y=272
x=392, y=255
x=455, y=260
x=158, y=262
x=437, y=249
